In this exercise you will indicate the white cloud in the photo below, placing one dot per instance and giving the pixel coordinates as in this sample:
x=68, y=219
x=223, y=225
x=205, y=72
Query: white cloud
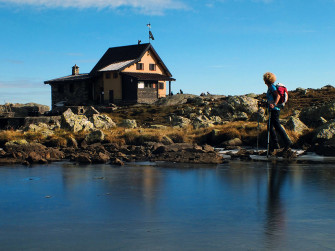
x=144, y=6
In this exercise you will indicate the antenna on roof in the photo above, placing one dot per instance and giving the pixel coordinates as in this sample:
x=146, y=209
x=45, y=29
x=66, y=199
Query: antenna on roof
x=151, y=37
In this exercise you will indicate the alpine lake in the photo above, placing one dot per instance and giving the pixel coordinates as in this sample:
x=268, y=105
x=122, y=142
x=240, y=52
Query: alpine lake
x=238, y=205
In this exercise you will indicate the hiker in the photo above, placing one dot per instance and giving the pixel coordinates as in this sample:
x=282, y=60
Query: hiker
x=273, y=98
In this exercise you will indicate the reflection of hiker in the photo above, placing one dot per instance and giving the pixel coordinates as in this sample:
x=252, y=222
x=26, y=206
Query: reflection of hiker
x=275, y=208
x=273, y=98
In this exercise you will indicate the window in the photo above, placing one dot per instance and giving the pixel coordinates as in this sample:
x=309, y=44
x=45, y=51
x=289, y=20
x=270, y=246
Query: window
x=161, y=85
x=152, y=67
x=115, y=75
x=71, y=88
x=140, y=85
x=148, y=85
x=108, y=75
x=139, y=66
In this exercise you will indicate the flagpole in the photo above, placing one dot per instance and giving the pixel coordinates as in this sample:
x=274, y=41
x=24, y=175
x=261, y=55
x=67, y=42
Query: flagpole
x=149, y=26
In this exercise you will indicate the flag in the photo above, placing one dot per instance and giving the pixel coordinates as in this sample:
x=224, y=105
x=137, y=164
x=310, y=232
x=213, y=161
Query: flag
x=151, y=36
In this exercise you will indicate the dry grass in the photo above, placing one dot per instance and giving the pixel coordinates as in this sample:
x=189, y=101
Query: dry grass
x=9, y=135
x=248, y=132
x=34, y=136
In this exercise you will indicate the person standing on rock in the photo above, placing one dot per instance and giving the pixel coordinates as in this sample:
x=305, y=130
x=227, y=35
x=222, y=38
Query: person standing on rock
x=273, y=98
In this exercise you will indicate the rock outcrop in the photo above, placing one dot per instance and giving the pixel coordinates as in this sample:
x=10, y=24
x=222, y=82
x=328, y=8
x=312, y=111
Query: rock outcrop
x=75, y=123
x=128, y=123
x=188, y=153
x=102, y=121
x=294, y=124
x=316, y=116
x=29, y=153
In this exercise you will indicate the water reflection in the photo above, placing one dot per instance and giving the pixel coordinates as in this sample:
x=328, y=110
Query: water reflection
x=275, y=222
x=234, y=206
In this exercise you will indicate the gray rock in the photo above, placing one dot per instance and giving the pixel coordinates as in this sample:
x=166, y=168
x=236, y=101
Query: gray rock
x=196, y=101
x=201, y=122
x=324, y=133
x=313, y=116
x=42, y=128
x=294, y=124
x=243, y=104
x=90, y=111
x=180, y=121
x=232, y=142
x=102, y=121
x=301, y=90
x=95, y=136
x=240, y=116
x=258, y=116
x=75, y=123
x=128, y=123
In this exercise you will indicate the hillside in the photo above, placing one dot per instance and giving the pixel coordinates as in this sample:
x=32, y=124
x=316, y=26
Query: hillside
x=158, y=113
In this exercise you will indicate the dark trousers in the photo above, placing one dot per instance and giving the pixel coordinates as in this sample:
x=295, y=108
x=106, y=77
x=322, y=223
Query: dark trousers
x=275, y=128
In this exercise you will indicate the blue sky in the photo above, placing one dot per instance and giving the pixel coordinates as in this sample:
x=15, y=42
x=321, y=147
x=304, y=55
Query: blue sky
x=219, y=46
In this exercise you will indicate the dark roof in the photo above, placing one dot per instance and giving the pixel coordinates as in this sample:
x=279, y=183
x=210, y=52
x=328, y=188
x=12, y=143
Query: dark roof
x=126, y=53
x=148, y=76
x=78, y=77
x=119, y=54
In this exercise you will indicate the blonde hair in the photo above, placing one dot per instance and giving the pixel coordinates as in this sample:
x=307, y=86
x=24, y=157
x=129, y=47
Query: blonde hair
x=269, y=77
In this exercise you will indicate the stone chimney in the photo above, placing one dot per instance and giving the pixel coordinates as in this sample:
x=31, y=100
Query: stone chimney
x=75, y=70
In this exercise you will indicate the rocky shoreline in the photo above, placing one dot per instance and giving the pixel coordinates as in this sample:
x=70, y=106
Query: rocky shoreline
x=34, y=153
x=22, y=152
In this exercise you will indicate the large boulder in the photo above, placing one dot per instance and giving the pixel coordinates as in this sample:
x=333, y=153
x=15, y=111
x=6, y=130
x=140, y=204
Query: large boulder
x=75, y=123
x=188, y=153
x=32, y=152
x=202, y=122
x=128, y=123
x=102, y=121
x=258, y=116
x=41, y=128
x=197, y=101
x=315, y=116
x=95, y=136
x=324, y=133
x=243, y=104
x=232, y=142
x=180, y=121
x=295, y=124
x=240, y=116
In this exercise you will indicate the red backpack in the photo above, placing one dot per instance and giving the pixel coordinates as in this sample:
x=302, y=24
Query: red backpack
x=282, y=90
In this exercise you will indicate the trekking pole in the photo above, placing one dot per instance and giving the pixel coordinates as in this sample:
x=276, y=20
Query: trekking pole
x=258, y=115
x=268, y=143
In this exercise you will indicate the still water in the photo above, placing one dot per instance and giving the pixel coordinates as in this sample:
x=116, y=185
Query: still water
x=144, y=206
